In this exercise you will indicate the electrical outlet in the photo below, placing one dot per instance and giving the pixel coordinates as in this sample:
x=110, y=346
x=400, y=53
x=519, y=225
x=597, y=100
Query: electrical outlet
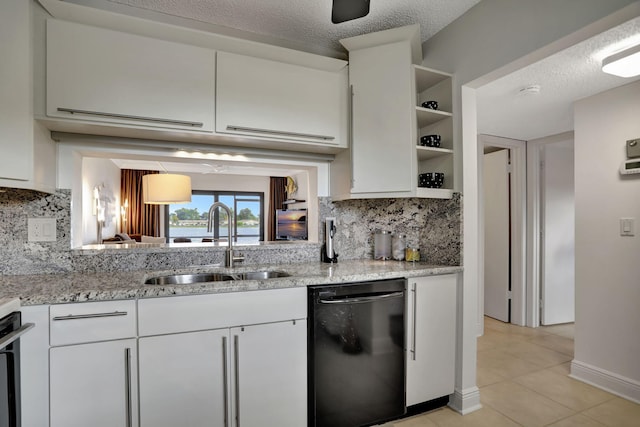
x=41, y=229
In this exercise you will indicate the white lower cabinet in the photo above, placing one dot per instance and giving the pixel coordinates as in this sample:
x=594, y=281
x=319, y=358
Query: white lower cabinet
x=94, y=385
x=431, y=337
x=183, y=379
x=245, y=376
x=270, y=385
x=232, y=359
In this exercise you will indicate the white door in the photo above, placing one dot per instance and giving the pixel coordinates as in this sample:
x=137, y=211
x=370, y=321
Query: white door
x=496, y=235
x=270, y=374
x=558, y=243
x=94, y=385
x=183, y=379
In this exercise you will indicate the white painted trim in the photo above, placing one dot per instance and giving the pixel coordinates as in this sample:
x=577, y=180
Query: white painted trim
x=608, y=381
x=467, y=299
x=533, y=273
x=533, y=234
x=465, y=401
x=518, y=156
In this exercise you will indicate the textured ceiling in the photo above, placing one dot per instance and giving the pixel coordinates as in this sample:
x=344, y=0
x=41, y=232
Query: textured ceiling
x=565, y=77
x=309, y=21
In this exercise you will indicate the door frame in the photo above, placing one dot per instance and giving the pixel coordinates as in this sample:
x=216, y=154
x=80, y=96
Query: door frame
x=534, y=226
x=518, y=206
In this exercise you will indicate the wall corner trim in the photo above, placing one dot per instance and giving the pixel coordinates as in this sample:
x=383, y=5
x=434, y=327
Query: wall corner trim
x=624, y=387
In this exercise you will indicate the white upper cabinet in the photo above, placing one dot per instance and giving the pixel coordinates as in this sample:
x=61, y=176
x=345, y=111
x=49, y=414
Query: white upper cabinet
x=28, y=155
x=381, y=119
x=279, y=101
x=102, y=76
x=388, y=120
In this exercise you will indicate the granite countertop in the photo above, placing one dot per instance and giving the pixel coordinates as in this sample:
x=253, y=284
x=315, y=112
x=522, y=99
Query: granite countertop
x=137, y=247
x=38, y=289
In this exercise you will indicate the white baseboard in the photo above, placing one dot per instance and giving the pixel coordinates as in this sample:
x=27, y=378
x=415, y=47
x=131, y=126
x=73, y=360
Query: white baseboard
x=608, y=381
x=465, y=401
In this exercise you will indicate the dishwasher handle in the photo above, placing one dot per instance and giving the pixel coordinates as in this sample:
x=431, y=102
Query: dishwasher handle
x=362, y=299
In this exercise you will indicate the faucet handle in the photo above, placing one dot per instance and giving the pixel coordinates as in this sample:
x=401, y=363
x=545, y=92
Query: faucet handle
x=238, y=258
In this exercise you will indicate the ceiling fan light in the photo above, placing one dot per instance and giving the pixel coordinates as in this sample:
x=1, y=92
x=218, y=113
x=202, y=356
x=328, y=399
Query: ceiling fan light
x=625, y=63
x=166, y=188
x=346, y=10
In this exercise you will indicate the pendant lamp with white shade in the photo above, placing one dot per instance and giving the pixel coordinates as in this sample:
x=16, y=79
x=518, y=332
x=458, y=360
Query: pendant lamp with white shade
x=166, y=188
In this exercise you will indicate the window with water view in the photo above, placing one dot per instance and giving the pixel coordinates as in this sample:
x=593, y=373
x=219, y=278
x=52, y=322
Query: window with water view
x=189, y=220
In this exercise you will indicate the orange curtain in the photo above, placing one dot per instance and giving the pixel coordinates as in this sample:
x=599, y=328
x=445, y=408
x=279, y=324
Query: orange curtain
x=277, y=195
x=141, y=219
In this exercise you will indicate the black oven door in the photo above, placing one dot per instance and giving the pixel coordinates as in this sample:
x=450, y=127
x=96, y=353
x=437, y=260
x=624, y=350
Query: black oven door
x=10, y=331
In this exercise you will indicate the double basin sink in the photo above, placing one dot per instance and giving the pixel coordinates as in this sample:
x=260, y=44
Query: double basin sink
x=188, y=279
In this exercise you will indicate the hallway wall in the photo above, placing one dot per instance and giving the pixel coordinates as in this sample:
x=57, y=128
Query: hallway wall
x=607, y=267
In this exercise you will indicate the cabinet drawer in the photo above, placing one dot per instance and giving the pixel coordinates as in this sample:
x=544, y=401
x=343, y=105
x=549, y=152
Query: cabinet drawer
x=200, y=312
x=91, y=321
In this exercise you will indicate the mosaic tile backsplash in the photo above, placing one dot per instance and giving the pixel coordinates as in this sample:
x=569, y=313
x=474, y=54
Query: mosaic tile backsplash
x=433, y=225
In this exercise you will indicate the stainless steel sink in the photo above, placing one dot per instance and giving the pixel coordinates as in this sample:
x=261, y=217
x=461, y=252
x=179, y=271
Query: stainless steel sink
x=187, y=279
x=259, y=275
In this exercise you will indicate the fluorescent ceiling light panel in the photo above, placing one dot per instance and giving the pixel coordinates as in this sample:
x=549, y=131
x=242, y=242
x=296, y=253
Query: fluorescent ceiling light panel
x=625, y=63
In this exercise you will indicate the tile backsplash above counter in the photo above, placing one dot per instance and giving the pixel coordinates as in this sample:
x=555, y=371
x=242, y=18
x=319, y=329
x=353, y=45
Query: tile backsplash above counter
x=434, y=225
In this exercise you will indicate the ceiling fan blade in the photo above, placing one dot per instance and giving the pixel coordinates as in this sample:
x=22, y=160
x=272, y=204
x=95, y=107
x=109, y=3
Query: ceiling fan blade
x=346, y=10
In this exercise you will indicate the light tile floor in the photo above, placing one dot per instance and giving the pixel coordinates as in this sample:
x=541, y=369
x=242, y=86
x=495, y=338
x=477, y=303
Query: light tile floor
x=523, y=380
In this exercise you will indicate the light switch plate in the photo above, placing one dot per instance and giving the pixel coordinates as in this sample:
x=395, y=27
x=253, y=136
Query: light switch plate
x=633, y=148
x=41, y=229
x=627, y=226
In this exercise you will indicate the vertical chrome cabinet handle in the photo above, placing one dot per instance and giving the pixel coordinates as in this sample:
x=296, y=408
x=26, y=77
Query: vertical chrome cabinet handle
x=414, y=290
x=225, y=378
x=127, y=389
x=350, y=141
x=236, y=362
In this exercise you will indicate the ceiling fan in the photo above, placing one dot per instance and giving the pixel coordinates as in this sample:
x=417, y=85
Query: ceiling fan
x=346, y=10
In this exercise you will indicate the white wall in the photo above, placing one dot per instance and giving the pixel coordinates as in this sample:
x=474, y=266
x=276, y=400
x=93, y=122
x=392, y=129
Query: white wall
x=105, y=175
x=558, y=225
x=607, y=347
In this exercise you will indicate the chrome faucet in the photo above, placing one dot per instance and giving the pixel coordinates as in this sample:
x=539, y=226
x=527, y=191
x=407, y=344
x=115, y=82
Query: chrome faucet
x=229, y=257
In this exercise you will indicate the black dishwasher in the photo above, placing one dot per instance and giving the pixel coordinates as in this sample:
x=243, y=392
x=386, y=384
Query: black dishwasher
x=356, y=353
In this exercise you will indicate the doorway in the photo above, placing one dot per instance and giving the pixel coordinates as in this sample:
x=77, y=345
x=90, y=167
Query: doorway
x=551, y=211
x=502, y=224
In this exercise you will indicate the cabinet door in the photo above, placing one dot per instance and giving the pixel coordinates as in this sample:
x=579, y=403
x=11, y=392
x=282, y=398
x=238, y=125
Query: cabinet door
x=279, y=101
x=99, y=75
x=270, y=374
x=431, y=337
x=28, y=157
x=94, y=385
x=183, y=379
x=382, y=157
x=16, y=162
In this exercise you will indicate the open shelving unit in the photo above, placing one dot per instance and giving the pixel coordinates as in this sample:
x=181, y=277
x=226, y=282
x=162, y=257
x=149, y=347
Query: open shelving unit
x=433, y=85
